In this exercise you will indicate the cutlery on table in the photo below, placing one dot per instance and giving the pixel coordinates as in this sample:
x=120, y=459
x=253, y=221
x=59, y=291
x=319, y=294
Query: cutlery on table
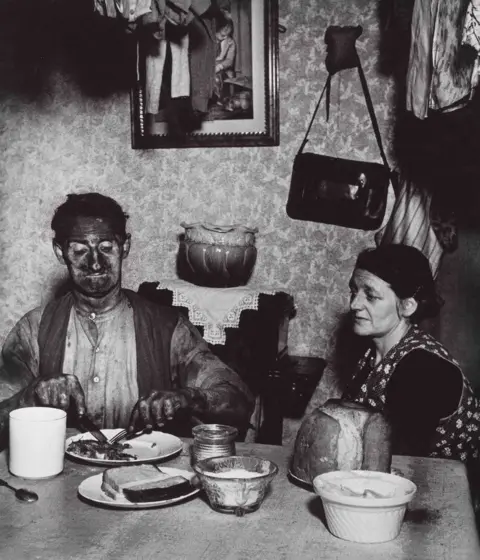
x=87, y=424
x=21, y=494
x=124, y=435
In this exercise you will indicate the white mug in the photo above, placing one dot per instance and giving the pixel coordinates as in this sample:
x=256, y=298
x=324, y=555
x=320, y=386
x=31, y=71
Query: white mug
x=37, y=441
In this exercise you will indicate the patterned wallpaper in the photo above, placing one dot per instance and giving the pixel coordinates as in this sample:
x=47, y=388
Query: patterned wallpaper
x=69, y=141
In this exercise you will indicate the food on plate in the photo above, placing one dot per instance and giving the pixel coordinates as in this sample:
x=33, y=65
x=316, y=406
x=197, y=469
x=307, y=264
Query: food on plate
x=341, y=435
x=94, y=449
x=143, y=483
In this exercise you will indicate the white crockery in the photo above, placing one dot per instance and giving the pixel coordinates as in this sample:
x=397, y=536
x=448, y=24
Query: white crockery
x=37, y=441
x=148, y=448
x=362, y=518
x=91, y=490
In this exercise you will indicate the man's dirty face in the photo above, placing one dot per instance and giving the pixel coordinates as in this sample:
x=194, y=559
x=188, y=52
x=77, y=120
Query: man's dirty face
x=94, y=253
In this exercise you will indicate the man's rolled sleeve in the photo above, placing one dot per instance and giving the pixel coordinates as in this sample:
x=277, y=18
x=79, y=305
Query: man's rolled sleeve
x=195, y=365
x=20, y=355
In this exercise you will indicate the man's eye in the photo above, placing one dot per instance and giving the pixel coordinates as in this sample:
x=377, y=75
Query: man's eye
x=106, y=247
x=78, y=250
x=371, y=297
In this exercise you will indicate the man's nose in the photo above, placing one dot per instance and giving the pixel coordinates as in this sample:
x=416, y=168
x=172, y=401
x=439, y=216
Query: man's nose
x=95, y=261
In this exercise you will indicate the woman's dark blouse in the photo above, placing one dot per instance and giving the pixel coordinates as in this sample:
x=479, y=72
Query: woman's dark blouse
x=423, y=389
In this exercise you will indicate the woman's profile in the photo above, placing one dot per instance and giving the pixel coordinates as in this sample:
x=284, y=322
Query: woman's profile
x=405, y=372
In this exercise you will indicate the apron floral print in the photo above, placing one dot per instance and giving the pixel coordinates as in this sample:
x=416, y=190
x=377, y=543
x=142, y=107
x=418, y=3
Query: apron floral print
x=458, y=435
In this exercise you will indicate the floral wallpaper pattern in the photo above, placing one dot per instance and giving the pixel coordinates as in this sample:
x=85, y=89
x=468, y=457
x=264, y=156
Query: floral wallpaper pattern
x=71, y=142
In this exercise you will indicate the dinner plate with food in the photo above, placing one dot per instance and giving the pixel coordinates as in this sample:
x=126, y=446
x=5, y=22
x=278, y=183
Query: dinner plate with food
x=146, y=448
x=139, y=486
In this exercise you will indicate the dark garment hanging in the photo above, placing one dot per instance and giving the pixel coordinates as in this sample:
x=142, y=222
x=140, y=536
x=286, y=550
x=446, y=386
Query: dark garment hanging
x=441, y=153
x=443, y=156
x=202, y=62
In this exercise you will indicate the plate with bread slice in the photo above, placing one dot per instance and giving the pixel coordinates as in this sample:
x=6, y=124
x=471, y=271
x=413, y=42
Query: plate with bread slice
x=139, y=487
x=146, y=448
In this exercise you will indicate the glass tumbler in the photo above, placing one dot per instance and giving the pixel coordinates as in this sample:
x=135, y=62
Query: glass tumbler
x=213, y=440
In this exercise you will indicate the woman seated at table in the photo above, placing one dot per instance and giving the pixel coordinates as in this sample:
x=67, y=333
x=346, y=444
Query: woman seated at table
x=405, y=372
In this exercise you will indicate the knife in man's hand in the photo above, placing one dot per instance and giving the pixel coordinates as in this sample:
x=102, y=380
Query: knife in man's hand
x=87, y=424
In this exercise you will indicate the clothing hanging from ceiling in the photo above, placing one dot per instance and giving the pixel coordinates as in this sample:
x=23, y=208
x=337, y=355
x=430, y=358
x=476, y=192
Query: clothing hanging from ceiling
x=471, y=36
x=413, y=221
x=165, y=28
x=152, y=13
x=436, y=69
x=471, y=29
x=441, y=71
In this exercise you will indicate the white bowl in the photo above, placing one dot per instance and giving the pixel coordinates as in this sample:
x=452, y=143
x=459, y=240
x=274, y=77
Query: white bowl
x=363, y=518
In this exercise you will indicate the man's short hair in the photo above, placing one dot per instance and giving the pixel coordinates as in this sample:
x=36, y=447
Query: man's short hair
x=92, y=205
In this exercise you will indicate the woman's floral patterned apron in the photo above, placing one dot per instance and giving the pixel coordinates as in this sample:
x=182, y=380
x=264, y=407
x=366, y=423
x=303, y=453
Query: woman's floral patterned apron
x=458, y=435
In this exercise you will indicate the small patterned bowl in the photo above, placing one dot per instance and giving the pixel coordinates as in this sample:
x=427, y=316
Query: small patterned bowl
x=235, y=484
x=364, y=506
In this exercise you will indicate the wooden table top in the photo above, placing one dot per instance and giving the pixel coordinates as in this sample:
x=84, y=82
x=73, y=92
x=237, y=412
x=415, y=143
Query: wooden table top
x=439, y=523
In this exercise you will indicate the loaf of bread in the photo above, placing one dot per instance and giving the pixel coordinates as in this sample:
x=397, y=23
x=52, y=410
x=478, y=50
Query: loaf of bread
x=341, y=435
x=142, y=483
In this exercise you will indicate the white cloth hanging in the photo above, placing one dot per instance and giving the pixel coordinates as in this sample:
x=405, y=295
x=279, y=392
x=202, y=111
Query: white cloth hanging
x=410, y=224
x=438, y=76
x=471, y=36
x=471, y=29
x=180, y=74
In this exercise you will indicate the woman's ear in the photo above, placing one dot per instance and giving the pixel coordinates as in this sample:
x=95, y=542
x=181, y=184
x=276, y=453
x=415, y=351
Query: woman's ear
x=409, y=306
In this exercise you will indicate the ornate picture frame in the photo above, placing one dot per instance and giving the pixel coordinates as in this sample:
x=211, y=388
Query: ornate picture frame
x=230, y=105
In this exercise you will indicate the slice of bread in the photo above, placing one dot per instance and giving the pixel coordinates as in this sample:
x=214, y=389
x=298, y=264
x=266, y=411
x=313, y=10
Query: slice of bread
x=142, y=483
x=172, y=487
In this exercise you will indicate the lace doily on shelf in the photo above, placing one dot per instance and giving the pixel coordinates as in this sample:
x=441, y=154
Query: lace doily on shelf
x=214, y=309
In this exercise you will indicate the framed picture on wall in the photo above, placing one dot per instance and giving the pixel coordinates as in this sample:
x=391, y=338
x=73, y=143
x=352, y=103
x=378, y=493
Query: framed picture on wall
x=209, y=77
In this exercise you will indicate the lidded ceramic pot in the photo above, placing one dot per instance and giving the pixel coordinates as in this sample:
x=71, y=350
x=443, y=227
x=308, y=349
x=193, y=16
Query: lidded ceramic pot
x=216, y=255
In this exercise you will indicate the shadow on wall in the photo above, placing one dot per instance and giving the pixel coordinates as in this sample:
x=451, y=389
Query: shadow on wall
x=40, y=37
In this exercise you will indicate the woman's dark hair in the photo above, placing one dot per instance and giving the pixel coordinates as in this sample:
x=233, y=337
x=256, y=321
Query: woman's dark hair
x=407, y=271
x=92, y=205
